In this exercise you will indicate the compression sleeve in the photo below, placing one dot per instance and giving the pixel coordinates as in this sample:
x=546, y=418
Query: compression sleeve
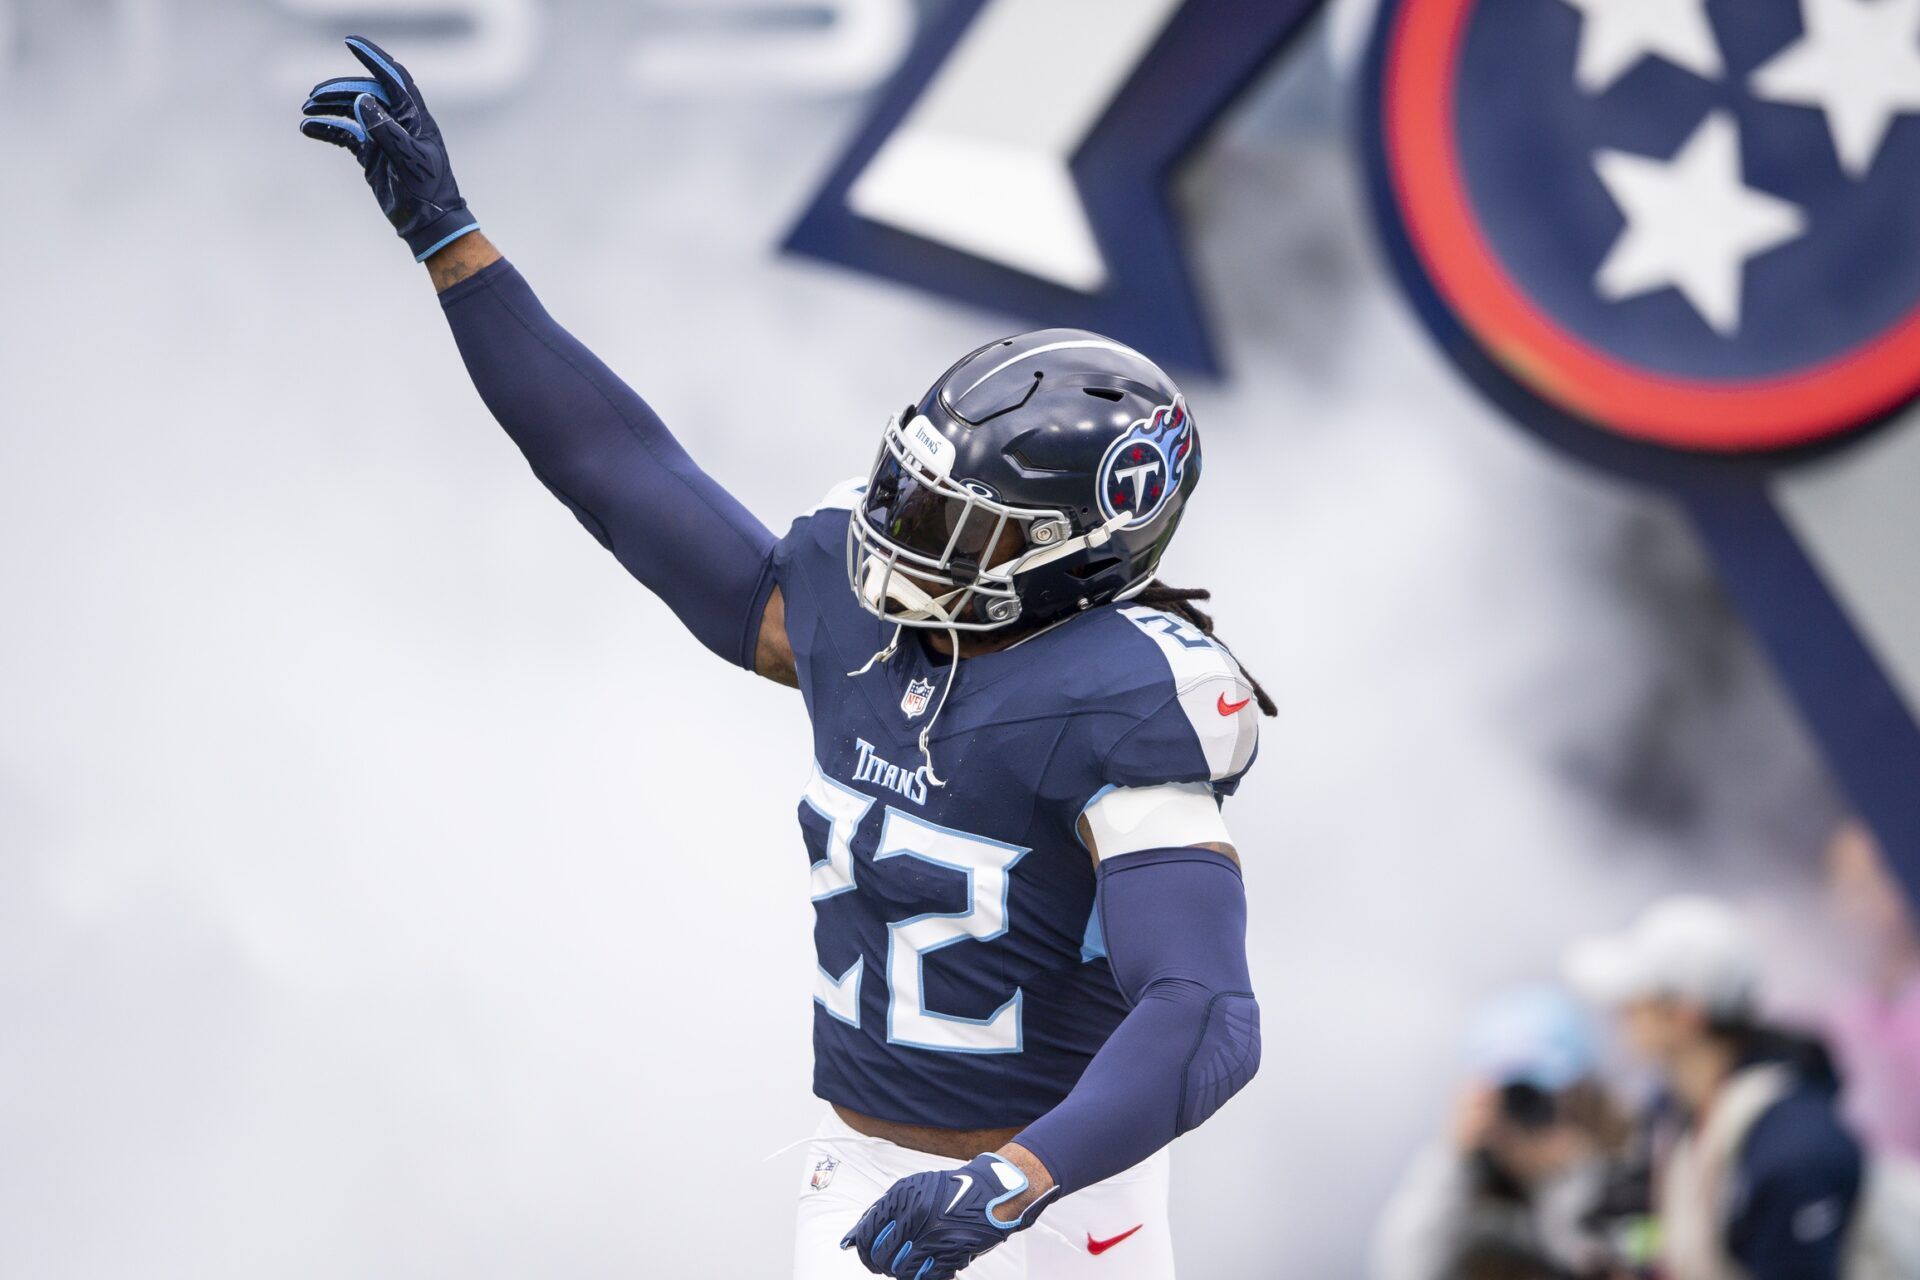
x=1175, y=926
x=602, y=451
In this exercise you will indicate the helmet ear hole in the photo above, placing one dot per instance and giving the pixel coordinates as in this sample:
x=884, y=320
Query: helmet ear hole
x=1093, y=567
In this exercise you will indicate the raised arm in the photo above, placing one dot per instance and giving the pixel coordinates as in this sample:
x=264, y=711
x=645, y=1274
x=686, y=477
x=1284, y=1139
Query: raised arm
x=605, y=454
x=588, y=437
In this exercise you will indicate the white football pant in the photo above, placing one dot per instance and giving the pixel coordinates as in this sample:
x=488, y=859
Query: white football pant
x=1115, y=1230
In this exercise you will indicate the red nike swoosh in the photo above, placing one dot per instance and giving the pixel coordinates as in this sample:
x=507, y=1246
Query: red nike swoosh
x=1098, y=1247
x=1228, y=708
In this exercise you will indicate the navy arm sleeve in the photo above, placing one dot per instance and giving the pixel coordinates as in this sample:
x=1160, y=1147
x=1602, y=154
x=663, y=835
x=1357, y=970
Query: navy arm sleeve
x=1175, y=925
x=1800, y=1175
x=602, y=451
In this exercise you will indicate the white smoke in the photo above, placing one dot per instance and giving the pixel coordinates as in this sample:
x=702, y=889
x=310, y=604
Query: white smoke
x=388, y=886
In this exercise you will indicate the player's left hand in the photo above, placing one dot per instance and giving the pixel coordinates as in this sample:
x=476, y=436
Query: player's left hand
x=929, y=1226
x=385, y=124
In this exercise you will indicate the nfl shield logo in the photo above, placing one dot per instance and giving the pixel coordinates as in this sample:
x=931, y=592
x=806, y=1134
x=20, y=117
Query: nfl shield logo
x=822, y=1173
x=915, y=700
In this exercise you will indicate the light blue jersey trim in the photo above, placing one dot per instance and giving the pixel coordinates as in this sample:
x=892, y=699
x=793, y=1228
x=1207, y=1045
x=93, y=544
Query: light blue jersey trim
x=854, y=974
x=853, y=827
x=1018, y=1002
x=1093, y=945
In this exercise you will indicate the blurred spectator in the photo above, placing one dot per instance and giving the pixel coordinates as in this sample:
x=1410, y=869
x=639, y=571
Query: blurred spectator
x=1756, y=1176
x=1875, y=1024
x=1510, y=1196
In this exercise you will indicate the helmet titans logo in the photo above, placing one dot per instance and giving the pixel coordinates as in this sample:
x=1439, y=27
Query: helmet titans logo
x=1146, y=465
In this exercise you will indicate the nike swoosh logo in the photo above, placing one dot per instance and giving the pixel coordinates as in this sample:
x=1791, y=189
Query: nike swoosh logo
x=1098, y=1247
x=966, y=1184
x=1228, y=708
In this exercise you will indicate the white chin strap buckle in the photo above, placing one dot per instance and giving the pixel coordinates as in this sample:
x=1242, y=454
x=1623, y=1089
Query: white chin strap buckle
x=899, y=590
x=1092, y=539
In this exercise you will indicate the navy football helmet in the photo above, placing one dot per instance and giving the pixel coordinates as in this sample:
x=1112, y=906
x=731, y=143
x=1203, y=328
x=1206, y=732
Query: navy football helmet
x=1041, y=475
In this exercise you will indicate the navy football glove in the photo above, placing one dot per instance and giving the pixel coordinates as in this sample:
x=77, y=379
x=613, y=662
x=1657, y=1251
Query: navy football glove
x=929, y=1226
x=387, y=127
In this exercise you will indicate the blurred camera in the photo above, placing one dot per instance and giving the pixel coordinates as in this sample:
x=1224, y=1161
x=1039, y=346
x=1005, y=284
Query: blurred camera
x=1526, y=1106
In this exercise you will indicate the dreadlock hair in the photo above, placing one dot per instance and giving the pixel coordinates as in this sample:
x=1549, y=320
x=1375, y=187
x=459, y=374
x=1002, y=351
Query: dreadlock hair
x=1180, y=601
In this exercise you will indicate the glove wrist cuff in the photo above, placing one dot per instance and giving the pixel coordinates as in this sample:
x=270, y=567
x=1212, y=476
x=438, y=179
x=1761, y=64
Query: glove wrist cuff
x=440, y=233
x=1010, y=1191
x=1033, y=1211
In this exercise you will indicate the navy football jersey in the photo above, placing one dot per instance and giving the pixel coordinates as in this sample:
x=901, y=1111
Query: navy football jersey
x=962, y=982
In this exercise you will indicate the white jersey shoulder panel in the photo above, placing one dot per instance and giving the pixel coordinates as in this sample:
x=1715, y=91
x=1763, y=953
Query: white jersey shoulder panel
x=1213, y=693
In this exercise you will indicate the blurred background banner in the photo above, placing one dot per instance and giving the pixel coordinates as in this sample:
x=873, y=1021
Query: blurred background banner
x=389, y=886
x=1665, y=244
x=1676, y=246
x=1020, y=158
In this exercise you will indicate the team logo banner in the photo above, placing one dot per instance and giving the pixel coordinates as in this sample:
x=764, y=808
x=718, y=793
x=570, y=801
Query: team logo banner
x=1682, y=240
x=1679, y=239
x=1694, y=234
x=1020, y=159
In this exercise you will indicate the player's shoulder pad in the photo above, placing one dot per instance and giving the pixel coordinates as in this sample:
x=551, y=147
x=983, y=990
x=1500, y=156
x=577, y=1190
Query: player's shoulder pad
x=821, y=528
x=842, y=496
x=1170, y=815
x=1198, y=723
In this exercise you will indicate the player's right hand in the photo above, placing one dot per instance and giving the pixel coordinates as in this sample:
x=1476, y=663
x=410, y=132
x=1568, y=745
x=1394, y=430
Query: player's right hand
x=930, y=1226
x=387, y=127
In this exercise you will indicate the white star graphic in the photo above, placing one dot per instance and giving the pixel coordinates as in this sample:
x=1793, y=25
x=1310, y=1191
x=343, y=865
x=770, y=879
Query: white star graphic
x=1691, y=223
x=1859, y=62
x=1616, y=34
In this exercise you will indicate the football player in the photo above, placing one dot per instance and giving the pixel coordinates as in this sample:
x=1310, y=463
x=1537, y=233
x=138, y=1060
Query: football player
x=1030, y=922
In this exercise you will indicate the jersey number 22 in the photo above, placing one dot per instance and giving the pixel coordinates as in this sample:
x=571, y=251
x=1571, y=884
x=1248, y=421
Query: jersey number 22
x=985, y=863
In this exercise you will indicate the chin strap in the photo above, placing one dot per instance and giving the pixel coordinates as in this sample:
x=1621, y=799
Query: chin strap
x=953, y=672
x=880, y=655
x=1092, y=539
x=883, y=656
x=907, y=594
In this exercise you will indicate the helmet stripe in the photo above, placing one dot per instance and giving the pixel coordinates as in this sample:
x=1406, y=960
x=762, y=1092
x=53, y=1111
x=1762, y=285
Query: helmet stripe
x=1077, y=344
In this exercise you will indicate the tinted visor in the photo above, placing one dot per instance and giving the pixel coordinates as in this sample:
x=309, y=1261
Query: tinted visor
x=907, y=510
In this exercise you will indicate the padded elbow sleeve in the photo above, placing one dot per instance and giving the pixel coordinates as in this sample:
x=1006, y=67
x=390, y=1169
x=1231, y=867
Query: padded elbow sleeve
x=1225, y=1056
x=1174, y=922
x=1176, y=919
